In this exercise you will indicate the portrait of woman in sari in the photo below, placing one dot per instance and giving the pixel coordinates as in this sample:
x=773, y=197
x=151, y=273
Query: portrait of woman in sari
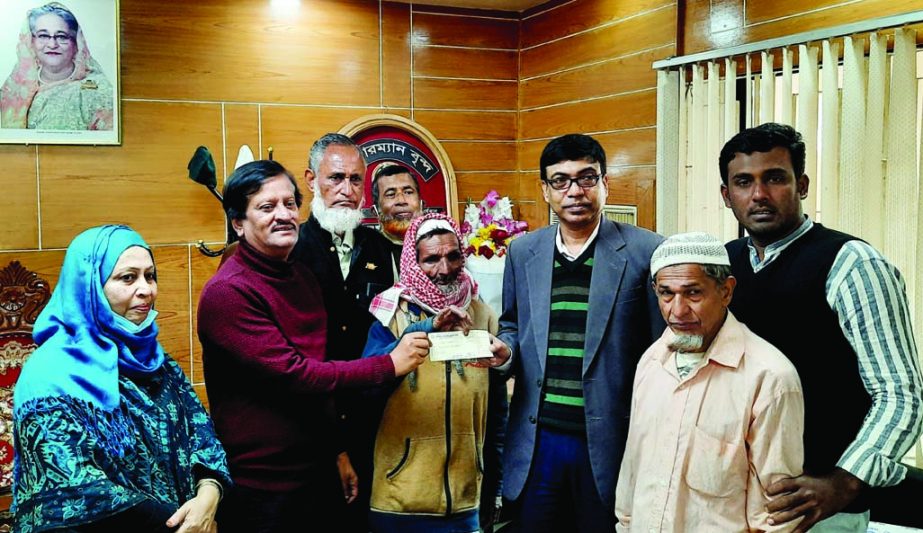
x=108, y=433
x=56, y=84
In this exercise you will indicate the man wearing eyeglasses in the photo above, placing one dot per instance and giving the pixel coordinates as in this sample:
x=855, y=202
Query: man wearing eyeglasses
x=578, y=312
x=352, y=264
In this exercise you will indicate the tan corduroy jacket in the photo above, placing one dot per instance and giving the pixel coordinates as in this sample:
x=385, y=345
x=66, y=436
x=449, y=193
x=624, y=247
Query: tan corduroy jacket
x=428, y=449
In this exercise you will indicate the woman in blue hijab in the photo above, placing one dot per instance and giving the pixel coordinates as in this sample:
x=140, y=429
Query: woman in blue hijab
x=108, y=433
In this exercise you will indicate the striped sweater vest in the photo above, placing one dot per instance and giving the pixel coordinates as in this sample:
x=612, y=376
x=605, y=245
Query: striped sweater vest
x=562, y=408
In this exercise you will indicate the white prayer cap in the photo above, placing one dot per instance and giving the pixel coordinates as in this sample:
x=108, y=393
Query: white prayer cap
x=431, y=224
x=689, y=248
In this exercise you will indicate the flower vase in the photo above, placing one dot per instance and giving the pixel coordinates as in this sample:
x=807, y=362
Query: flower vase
x=488, y=273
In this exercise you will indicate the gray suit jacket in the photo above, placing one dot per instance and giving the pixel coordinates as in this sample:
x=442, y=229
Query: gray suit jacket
x=623, y=321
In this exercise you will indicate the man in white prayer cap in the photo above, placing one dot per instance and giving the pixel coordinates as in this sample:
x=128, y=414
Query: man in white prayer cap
x=717, y=412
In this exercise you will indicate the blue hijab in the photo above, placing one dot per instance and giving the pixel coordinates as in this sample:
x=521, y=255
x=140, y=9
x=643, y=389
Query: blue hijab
x=83, y=345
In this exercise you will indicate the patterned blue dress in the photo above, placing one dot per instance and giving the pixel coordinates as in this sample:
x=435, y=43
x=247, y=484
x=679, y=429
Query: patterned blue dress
x=77, y=464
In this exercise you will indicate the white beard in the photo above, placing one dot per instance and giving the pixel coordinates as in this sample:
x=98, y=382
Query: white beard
x=337, y=220
x=687, y=343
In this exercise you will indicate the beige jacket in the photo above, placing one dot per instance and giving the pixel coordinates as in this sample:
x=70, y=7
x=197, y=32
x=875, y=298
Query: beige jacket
x=428, y=449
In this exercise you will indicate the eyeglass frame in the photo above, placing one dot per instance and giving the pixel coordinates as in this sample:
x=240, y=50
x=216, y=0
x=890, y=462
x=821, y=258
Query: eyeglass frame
x=59, y=38
x=571, y=181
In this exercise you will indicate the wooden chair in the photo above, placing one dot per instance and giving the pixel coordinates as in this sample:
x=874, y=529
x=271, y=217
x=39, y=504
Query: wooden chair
x=23, y=295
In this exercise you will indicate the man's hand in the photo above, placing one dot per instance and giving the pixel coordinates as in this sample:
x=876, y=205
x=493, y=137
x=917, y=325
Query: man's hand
x=348, y=478
x=410, y=353
x=501, y=353
x=814, y=498
x=452, y=318
x=198, y=514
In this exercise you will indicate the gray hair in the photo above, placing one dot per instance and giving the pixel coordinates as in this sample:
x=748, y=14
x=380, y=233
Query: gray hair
x=719, y=273
x=319, y=148
x=54, y=8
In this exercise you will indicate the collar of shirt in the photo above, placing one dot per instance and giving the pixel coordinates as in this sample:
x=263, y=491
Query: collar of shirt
x=344, y=249
x=559, y=242
x=771, y=252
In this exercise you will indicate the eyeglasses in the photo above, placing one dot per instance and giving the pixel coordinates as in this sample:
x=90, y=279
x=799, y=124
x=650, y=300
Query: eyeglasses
x=59, y=38
x=562, y=183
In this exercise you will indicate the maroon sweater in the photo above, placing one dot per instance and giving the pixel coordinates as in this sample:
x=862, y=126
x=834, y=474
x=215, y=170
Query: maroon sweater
x=263, y=327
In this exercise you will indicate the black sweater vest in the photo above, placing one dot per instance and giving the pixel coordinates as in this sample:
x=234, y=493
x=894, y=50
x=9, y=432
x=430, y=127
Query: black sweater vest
x=786, y=304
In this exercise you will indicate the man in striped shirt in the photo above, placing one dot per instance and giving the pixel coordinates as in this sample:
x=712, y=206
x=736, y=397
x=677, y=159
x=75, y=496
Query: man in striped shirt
x=838, y=310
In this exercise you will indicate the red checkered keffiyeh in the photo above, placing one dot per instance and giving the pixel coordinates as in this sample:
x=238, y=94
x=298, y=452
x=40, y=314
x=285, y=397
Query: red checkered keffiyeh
x=414, y=285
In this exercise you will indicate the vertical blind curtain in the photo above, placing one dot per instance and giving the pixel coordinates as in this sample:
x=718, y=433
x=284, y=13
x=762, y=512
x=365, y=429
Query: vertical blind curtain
x=860, y=120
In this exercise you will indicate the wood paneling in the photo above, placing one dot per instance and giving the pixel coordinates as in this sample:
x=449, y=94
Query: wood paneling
x=476, y=186
x=472, y=125
x=606, y=114
x=657, y=28
x=623, y=148
x=241, y=126
x=474, y=32
x=610, y=77
x=395, y=54
x=464, y=94
x=570, y=19
x=173, y=302
x=481, y=155
x=202, y=269
x=706, y=26
x=252, y=51
x=532, y=207
x=292, y=130
x=142, y=183
x=201, y=392
x=465, y=63
x=19, y=200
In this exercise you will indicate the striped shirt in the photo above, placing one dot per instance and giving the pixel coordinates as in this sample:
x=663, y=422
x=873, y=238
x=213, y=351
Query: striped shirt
x=869, y=298
x=563, y=389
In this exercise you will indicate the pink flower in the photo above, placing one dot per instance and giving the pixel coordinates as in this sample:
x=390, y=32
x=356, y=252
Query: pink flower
x=492, y=198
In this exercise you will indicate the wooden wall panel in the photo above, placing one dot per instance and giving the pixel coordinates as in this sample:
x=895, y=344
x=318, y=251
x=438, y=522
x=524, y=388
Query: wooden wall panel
x=173, y=301
x=473, y=125
x=628, y=73
x=292, y=130
x=477, y=185
x=532, y=207
x=568, y=19
x=201, y=268
x=472, y=32
x=465, y=63
x=623, y=148
x=142, y=183
x=253, y=52
x=650, y=30
x=241, y=126
x=632, y=110
x=432, y=93
x=19, y=200
x=395, y=54
x=723, y=24
x=467, y=156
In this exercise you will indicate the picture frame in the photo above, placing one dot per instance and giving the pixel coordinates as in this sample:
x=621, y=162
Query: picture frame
x=60, y=85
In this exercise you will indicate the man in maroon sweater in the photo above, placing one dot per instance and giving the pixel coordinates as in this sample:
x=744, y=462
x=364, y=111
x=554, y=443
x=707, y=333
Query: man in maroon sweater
x=262, y=324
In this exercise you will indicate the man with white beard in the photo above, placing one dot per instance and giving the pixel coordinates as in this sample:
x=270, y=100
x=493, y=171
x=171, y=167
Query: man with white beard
x=352, y=264
x=717, y=413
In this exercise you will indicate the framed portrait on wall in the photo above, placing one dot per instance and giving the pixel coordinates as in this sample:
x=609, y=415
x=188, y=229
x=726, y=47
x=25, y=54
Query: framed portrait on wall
x=59, y=64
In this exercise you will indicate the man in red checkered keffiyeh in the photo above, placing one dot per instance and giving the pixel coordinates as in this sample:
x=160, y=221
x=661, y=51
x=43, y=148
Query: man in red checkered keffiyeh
x=415, y=286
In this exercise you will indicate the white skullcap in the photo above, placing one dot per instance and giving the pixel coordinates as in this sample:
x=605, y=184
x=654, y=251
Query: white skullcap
x=696, y=248
x=429, y=225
